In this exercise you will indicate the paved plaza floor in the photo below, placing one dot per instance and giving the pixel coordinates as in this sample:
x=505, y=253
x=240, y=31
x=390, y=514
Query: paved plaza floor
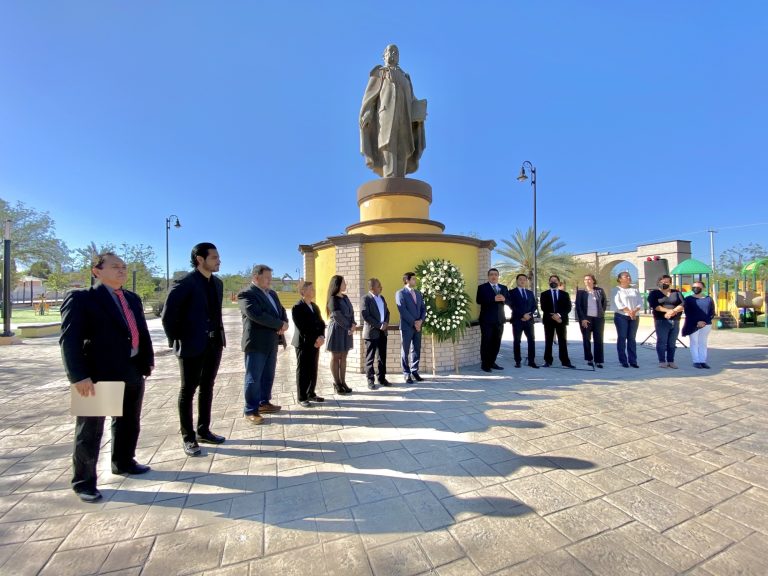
x=533, y=472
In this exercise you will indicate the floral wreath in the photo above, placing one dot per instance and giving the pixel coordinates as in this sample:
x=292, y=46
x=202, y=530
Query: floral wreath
x=442, y=286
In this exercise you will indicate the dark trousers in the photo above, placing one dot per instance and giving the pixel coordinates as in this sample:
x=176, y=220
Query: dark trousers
x=667, y=330
x=550, y=328
x=306, y=372
x=490, y=343
x=518, y=329
x=626, y=345
x=594, y=332
x=198, y=372
x=376, y=348
x=125, y=436
x=411, y=346
x=259, y=378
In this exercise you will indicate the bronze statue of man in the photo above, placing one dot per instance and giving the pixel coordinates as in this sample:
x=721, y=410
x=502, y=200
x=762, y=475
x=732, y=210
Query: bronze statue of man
x=391, y=120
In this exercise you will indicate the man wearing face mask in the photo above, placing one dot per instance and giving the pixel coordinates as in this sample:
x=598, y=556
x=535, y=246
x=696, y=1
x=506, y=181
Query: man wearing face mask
x=555, y=307
x=667, y=306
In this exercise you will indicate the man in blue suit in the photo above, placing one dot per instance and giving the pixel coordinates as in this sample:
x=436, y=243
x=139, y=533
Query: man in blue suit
x=410, y=304
x=523, y=310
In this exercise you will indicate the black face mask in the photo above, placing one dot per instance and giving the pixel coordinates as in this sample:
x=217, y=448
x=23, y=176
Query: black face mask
x=665, y=286
x=553, y=285
x=696, y=290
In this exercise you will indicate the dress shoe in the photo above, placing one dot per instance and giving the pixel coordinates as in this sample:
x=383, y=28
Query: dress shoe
x=599, y=365
x=346, y=388
x=547, y=365
x=191, y=448
x=267, y=408
x=625, y=365
x=416, y=377
x=517, y=364
x=304, y=403
x=315, y=398
x=252, y=418
x=385, y=382
x=132, y=467
x=569, y=366
x=663, y=365
x=407, y=379
x=372, y=385
x=532, y=365
x=89, y=495
x=497, y=367
x=484, y=369
x=634, y=366
x=672, y=365
x=705, y=365
x=210, y=438
x=591, y=364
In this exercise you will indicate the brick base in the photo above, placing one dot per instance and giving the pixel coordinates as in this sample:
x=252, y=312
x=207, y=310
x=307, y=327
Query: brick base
x=449, y=358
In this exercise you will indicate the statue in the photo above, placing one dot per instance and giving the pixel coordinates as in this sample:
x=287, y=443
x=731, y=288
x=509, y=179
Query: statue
x=391, y=120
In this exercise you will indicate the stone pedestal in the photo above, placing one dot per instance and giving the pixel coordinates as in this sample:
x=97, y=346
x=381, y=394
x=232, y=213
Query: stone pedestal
x=394, y=235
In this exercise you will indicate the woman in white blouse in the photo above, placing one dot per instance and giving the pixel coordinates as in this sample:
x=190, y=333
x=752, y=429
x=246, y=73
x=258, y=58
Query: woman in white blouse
x=627, y=304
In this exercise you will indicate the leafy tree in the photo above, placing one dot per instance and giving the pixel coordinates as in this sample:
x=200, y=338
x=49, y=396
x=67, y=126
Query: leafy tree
x=32, y=235
x=518, y=254
x=40, y=269
x=733, y=259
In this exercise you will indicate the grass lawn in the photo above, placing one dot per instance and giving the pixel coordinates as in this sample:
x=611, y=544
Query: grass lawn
x=27, y=316
x=753, y=330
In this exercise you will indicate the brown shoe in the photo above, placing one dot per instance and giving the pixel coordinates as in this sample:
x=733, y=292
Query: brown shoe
x=663, y=365
x=269, y=407
x=254, y=419
x=672, y=365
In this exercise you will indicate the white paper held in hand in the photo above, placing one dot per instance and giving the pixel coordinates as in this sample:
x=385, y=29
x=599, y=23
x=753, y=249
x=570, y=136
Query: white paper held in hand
x=108, y=400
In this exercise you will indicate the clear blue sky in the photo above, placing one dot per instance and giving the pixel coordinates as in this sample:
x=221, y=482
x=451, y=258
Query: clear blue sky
x=646, y=120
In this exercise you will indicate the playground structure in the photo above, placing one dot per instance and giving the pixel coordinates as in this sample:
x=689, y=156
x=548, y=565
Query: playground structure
x=744, y=299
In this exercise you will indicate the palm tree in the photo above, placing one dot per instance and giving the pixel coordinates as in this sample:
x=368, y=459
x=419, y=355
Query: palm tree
x=518, y=254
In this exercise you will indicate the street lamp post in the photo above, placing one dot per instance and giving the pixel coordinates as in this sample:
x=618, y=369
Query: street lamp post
x=167, y=252
x=7, y=280
x=523, y=178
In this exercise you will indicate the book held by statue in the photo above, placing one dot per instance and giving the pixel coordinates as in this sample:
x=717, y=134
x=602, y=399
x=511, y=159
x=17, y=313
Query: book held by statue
x=418, y=111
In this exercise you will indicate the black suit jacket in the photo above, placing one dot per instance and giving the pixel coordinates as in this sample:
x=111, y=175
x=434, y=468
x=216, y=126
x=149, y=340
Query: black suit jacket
x=185, y=315
x=522, y=305
x=582, y=297
x=95, y=339
x=492, y=312
x=260, y=320
x=563, y=306
x=308, y=325
x=372, y=321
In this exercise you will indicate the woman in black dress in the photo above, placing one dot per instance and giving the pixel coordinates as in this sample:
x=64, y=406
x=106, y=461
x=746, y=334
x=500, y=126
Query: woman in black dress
x=341, y=326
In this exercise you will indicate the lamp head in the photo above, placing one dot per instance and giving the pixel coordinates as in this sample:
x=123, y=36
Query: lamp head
x=522, y=177
x=178, y=224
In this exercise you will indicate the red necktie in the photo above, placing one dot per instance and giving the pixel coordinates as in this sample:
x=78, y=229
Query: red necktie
x=129, y=317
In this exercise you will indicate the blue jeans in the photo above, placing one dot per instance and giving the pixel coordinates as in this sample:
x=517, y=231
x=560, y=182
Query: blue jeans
x=259, y=377
x=626, y=345
x=666, y=337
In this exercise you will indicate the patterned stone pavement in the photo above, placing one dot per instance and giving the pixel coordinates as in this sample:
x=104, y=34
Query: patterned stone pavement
x=533, y=472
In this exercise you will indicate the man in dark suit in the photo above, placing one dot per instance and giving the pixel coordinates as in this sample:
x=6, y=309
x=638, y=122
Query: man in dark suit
x=555, y=307
x=492, y=297
x=308, y=337
x=192, y=322
x=104, y=337
x=264, y=322
x=413, y=312
x=375, y=321
x=523, y=311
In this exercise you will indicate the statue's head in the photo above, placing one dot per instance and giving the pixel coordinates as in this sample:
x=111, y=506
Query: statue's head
x=391, y=55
